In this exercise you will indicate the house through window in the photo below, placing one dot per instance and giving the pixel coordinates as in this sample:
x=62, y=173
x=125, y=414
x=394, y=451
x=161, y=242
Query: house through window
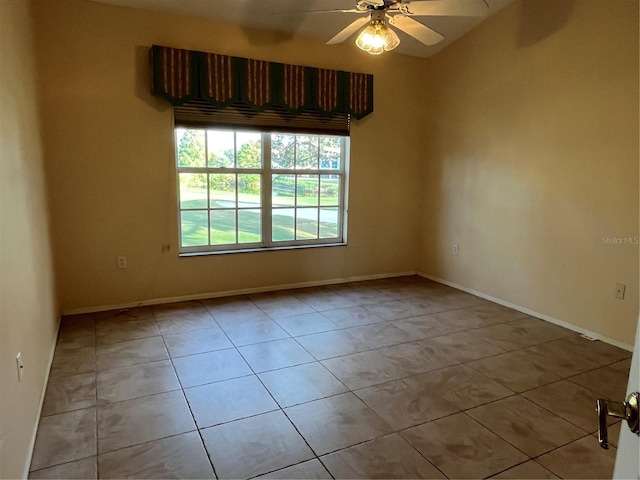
x=245, y=189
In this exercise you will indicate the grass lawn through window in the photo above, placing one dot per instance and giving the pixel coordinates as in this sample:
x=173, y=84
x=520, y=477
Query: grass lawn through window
x=288, y=221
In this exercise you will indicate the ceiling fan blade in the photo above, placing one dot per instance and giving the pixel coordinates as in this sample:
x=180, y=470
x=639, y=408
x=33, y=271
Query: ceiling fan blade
x=417, y=30
x=450, y=8
x=298, y=12
x=348, y=30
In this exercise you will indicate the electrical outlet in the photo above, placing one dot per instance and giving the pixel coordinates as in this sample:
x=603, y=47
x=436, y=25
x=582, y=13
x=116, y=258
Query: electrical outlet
x=122, y=262
x=620, y=288
x=20, y=366
x=455, y=248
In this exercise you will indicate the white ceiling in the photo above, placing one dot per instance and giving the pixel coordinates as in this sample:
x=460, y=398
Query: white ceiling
x=267, y=14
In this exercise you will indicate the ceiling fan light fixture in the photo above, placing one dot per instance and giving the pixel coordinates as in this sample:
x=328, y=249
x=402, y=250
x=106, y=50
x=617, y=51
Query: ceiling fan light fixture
x=376, y=38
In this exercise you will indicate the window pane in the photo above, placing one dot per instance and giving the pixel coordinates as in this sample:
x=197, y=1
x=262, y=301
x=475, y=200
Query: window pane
x=190, y=147
x=307, y=190
x=282, y=151
x=223, y=227
x=282, y=224
x=249, y=226
x=283, y=189
x=249, y=190
x=306, y=223
x=220, y=144
x=330, y=153
x=193, y=190
x=329, y=189
x=222, y=190
x=306, y=152
x=328, y=222
x=193, y=226
x=249, y=150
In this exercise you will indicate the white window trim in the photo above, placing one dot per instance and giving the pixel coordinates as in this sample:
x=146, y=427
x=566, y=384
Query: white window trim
x=266, y=199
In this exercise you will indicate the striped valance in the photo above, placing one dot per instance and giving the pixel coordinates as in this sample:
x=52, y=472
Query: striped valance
x=181, y=76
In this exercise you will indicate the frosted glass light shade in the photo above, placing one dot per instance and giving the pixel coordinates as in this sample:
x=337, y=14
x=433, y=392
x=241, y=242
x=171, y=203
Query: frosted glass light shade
x=377, y=38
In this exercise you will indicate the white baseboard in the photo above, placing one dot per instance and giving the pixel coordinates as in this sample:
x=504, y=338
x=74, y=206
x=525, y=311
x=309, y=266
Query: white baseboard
x=542, y=316
x=231, y=293
x=43, y=391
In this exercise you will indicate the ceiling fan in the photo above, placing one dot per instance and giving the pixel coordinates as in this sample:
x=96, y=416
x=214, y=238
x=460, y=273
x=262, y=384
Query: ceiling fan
x=378, y=37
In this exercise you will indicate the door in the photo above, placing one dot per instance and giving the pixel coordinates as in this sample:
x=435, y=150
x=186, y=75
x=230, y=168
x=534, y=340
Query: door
x=628, y=456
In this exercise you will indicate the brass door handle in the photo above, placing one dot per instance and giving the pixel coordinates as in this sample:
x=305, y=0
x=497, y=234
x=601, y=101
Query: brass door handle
x=626, y=410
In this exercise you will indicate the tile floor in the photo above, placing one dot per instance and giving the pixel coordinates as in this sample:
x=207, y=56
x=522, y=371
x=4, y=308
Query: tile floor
x=393, y=378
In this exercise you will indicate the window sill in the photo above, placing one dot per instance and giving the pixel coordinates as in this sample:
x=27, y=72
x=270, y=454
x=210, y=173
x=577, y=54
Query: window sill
x=262, y=249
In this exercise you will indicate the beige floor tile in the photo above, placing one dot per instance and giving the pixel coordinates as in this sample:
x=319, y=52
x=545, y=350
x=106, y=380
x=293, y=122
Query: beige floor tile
x=521, y=333
x=331, y=344
x=364, y=369
x=382, y=334
x=529, y=469
x=451, y=300
x=515, y=371
x=210, y=367
x=252, y=446
x=118, y=384
x=73, y=362
x=253, y=315
x=123, y=328
x=478, y=316
x=536, y=432
x=280, y=304
x=416, y=357
x=462, y=448
x=76, y=335
x=306, y=324
x=232, y=309
x=352, y=317
x=84, y=469
x=358, y=294
x=185, y=322
x=560, y=357
x=385, y=457
x=461, y=347
x=222, y=402
x=64, y=438
x=424, y=352
x=336, y=422
x=581, y=459
x=254, y=332
x=311, y=469
x=569, y=401
x=463, y=387
x=141, y=420
x=197, y=341
x=133, y=352
x=393, y=310
x=187, y=308
x=73, y=392
x=267, y=356
x=180, y=456
x=294, y=385
x=607, y=382
x=321, y=299
x=406, y=402
x=426, y=326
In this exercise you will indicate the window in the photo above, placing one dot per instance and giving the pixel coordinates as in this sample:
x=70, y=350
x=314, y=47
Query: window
x=244, y=190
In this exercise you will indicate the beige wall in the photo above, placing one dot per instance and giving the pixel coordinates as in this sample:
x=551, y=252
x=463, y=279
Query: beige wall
x=110, y=154
x=28, y=312
x=532, y=158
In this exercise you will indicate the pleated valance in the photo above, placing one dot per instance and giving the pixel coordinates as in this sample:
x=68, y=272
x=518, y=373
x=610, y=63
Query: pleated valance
x=182, y=76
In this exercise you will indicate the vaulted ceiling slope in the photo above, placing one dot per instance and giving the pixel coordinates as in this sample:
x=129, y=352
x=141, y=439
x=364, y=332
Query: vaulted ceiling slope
x=280, y=16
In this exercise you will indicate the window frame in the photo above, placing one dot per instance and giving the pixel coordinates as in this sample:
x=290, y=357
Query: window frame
x=266, y=172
